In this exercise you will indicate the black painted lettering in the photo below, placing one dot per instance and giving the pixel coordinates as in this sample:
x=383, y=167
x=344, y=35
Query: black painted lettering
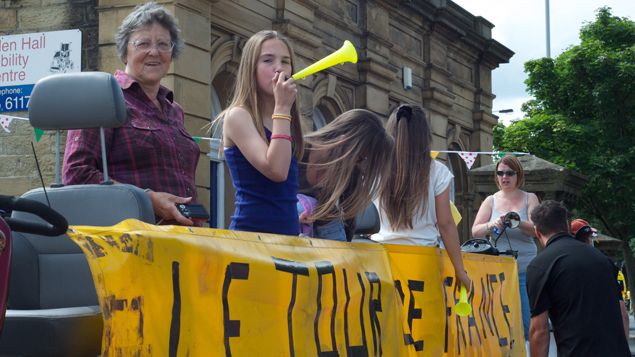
x=414, y=313
x=325, y=268
x=447, y=282
x=374, y=307
x=491, y=280
x=460, y=332
x=361, y=350
x=295, y=268
x=505, y=309
x=231, y=328
x=471, y=320
x=96, y=250
x=483, y=310
x=399, y=289
x=175, y=323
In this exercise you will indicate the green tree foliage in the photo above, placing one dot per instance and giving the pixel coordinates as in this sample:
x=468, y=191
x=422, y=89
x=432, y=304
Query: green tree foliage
x=583, y=118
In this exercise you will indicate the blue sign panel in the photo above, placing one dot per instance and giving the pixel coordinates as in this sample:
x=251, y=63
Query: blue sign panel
x=15, y=98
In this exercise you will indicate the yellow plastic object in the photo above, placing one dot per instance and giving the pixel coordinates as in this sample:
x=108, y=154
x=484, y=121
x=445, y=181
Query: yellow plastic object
x=622, y=285
x=463, y=308
x=434, y=154
x=456, y=215
x=346, y=53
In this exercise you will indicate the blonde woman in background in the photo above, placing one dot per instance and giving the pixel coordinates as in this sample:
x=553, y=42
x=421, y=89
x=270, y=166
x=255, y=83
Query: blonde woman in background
x=509, y=177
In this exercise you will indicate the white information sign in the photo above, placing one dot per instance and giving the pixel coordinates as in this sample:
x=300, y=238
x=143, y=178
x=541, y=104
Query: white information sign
x=26, y=58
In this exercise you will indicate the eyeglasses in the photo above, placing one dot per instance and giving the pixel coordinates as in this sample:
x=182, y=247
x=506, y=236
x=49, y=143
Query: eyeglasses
x=508, y=173
x=146, y=45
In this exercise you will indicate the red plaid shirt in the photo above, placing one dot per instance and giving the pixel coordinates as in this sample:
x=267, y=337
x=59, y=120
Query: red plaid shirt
x=152, y=150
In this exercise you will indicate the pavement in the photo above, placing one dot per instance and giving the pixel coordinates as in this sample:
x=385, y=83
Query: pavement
x=631, y=339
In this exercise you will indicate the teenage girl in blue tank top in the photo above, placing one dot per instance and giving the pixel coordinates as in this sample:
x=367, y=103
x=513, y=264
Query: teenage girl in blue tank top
x=263, y=138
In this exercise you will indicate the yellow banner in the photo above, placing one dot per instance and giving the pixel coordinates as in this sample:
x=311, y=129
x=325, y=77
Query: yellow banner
x=424, y=279
x=170, y=290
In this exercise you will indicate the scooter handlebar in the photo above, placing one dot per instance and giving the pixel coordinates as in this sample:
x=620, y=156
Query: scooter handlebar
x=55, y=224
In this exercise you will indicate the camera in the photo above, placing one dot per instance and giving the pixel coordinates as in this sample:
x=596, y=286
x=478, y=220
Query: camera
x=511, y=220
x=195, y=212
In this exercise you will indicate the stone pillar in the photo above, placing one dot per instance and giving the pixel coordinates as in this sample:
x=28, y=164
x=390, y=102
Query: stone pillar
x=190, y=79
x=375, y=71
x=296, y=22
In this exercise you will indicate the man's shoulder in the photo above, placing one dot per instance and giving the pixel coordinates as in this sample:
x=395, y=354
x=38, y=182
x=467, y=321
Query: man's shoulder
x=556, y=249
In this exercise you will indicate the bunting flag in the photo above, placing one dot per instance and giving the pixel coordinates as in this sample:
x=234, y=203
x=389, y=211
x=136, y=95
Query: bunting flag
x=38, y=134
x=5, y=121
x=468, y=157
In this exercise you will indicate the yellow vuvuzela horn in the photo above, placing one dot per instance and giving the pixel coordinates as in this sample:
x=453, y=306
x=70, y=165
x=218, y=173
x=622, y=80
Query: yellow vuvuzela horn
x=463, y=308
x=346, y=53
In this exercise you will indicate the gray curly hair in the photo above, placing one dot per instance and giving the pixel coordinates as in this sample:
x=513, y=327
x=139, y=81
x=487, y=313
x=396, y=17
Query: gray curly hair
x=145, y=15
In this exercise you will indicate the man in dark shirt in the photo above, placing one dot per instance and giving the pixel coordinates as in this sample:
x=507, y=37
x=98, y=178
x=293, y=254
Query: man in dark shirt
x=574, y=285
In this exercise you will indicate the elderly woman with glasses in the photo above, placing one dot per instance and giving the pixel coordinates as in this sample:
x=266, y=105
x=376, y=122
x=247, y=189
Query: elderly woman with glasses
x=509, y=177
x=152, y=150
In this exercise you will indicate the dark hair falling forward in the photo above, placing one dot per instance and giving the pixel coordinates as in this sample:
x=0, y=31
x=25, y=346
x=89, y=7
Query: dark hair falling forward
x=406, y=191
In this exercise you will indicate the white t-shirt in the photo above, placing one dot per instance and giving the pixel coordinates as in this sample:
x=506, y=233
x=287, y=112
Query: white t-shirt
x=424, y=228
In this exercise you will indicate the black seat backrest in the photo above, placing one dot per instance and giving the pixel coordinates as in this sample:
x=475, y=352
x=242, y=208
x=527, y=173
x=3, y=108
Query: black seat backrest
x=367, y=222
x=52, y=272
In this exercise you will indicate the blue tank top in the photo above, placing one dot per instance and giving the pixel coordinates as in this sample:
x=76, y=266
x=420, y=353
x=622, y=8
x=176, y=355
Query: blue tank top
x=262, y=205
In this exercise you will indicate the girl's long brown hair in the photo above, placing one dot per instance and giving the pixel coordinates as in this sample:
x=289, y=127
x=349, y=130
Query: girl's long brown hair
x=406, y=188
x=354, y=152
x=246, y=90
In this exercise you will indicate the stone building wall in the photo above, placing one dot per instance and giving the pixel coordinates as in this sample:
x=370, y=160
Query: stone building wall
x=18, y=171
x=450, y=52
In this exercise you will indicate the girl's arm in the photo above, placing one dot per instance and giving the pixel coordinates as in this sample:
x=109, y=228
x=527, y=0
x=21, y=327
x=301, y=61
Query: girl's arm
x=450, y=235
x=481, y=228
x=273, y=159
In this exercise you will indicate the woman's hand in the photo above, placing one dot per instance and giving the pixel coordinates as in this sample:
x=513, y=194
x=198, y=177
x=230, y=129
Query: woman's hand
x=306, y=219
x=164, y=205
x=498, y=223
x=465, y=279
x=284, y=92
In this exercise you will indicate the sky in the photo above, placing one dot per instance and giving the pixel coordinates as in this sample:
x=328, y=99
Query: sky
x=520, y=26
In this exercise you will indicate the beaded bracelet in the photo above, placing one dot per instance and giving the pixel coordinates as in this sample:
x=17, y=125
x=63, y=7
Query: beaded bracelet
x=281, y=116
x=282, y=136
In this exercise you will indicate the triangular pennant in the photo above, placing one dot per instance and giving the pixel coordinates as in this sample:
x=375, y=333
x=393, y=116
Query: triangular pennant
x=468, y=157
x=38, y=134
x=456, y=215
x=434, y=154
x=5, y=122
